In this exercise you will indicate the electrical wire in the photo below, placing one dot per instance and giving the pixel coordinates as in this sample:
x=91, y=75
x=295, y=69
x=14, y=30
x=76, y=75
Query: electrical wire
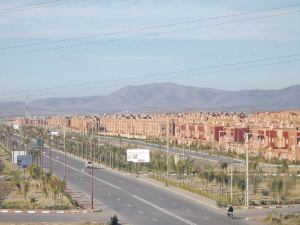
x=151, y=75
x=167, y=78
x=20, y=8
x=147, y=28
x=148, y=35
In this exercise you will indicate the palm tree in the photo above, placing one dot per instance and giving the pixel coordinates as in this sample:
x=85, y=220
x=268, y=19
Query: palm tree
x=26, y=142
x=25, y=191
x=9, y=132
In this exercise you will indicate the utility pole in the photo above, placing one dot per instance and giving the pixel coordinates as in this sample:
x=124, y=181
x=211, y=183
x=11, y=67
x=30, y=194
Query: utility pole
x=183, y=146
x=269, y=147
x=168, y=153
x=41, y=153
x=65, y=157
x=99, y=146
x=247, y=169
x=92, y=200
x=231, y=184
x=50, y=155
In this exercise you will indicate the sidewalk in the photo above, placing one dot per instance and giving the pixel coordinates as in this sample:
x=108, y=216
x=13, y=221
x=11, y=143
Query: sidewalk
x=267, y=207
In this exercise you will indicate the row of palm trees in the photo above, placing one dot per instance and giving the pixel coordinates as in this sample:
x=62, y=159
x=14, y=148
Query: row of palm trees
x=52, y=187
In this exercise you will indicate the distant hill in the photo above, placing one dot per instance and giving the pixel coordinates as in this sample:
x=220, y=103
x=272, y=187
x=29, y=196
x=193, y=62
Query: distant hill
x=162, y=97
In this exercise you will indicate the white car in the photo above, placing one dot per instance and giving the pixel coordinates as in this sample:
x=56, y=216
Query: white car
x=88, y=164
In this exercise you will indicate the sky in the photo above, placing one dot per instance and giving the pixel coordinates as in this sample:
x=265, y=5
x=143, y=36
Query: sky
x=91, y=48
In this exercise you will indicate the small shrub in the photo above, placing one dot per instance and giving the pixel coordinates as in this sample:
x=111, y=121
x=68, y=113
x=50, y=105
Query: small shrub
x=32, y=199
x=253, y=203
x=262, y=202
x=265, y=192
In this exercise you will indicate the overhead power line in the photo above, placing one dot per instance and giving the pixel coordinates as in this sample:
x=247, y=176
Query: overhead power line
x=161, y=74
x=161, y=79
x=149, y=35
x=42, y=5
x=148, y=28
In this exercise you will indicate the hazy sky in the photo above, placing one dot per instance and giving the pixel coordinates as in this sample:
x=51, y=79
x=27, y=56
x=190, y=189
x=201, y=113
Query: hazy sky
x=117, y=59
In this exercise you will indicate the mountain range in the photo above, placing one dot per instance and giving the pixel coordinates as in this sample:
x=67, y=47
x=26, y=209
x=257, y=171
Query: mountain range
x=162, y=97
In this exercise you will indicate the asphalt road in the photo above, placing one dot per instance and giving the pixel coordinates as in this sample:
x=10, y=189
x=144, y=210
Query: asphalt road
x=194, y=154
x=132, y=200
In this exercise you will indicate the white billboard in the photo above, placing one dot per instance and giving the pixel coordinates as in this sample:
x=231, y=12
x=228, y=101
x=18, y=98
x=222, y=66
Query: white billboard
x=15, y=155
x=23, y=161
x=138, y=155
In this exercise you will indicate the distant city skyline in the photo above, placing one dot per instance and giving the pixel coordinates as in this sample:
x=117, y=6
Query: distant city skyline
x=118, y=63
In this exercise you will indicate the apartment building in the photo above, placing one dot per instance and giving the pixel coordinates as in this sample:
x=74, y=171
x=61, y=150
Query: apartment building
x=274, y=134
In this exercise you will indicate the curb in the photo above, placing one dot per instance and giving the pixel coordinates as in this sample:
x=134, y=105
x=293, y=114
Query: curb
x=48, y=211
x=268, y=207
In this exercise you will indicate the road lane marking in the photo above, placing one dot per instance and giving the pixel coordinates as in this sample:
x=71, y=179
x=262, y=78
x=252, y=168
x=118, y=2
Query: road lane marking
x=178, y=193
x=140, y=212
x=154, y=219
x=163, y=210
x=103, y=181
x=188, y=211
x=109, y=194
x=205, y=218
x=129, y=205
x=118, y=199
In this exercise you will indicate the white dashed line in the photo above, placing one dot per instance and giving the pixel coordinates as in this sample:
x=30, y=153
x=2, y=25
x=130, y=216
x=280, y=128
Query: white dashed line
x=118, y=199
x=163, y=210
x=105, y=182
x=140, y=212
x=129, y=205
x=154, y=219
x=181, y=194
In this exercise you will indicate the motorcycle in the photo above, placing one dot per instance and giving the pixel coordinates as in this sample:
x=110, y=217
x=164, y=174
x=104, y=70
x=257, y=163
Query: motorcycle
x=230, y=215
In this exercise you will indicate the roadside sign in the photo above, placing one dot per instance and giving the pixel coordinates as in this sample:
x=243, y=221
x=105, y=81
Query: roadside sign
x=23, y=161
x=138, y=155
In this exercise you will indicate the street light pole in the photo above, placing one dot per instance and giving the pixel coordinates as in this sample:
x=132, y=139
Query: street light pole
x=92, y=203
x=65, y=156
x=50, y=155
x=231, y=184
x=168, y=153
x=247, y=169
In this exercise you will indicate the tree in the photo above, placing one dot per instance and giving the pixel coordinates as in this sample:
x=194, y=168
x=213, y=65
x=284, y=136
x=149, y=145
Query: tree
x=2, y=166
x=17, y=182
x=276, y=186
x=289, y=184
x=26, y=142
x=255, y=181
x=25, y=190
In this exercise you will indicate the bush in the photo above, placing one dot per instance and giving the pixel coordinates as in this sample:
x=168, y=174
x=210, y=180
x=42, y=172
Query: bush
x=222, y=203
x=262, y=202
x=253, y=203
x=265, y=192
